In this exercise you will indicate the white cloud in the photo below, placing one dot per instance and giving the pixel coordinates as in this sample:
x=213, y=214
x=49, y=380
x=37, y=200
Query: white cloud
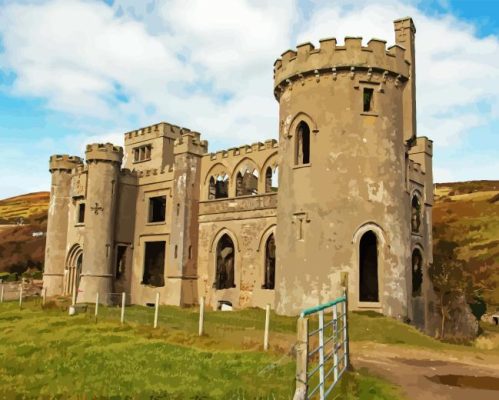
x=208, y=65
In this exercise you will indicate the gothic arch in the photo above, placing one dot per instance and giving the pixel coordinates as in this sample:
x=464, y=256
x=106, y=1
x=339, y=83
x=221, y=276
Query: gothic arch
x=301, y=116
x=271, y=162
x=219, y=234
x=369, y=226
x=266, y=233
x=241, y=163
x=216, y=170
x=73, y=268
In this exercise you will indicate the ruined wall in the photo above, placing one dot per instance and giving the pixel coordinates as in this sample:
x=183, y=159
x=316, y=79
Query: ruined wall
x=355, y=180
x=248, y=220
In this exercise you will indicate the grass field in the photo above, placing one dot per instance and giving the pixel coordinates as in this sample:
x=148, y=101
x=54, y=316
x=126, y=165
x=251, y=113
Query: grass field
x=46, y=353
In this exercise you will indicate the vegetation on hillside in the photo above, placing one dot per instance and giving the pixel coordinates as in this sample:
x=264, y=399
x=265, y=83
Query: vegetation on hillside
x=467, y=214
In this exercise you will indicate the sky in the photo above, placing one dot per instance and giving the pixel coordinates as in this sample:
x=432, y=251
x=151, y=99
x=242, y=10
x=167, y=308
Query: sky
x=81, y=71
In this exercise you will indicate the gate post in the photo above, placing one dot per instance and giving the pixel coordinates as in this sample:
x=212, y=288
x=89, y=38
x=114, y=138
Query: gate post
x=301, y=359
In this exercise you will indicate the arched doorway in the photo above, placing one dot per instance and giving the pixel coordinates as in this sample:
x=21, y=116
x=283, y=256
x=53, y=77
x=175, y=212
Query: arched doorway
x=269, y=282
x=224, y=273
x=368, y=268
x=72, y=272
x=417, y=272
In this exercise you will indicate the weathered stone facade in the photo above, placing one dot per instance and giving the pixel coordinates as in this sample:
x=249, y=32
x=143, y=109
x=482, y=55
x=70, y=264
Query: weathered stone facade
x=352, y=207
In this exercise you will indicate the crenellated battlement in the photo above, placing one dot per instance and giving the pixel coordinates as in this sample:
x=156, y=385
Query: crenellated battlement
x=153, y=131
x=243, y=150
x=64, y=162
x=104, y=152
x=190, y=142
x=330, y=58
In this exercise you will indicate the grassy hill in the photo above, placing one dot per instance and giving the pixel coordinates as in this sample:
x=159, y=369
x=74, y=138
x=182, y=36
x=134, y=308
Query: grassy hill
x=19, y=250
x=468, y=213
x=31, y=207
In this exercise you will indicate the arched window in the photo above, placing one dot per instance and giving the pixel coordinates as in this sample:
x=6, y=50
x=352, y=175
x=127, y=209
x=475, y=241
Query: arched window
x=415, y=214
x=247, y=183
x=224, y=274
x=269, y=282
x=417, y=272
x=302, y=144
x=212, y=189
x=219, y=188
x=271, y=180
x=368, y=267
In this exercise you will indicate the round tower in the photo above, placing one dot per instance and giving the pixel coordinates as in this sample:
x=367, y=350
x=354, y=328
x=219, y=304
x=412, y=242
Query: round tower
x=60, y=167
x=104, y=162
x=342, y=218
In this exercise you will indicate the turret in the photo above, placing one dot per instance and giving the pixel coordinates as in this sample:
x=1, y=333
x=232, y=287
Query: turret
x=340, y=220
x=60, y=167
x=405, y=32
x=104, y=162
x=181, y=266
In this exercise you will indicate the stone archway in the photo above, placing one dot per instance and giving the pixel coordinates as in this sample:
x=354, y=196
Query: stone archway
x=72, y=271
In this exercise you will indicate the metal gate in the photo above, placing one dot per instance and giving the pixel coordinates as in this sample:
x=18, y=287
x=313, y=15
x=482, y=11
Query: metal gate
x=322, y=349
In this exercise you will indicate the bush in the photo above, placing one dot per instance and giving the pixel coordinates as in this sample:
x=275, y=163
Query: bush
x=8, y=277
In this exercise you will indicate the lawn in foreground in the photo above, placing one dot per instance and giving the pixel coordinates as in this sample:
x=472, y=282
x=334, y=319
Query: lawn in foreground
x=45, y=353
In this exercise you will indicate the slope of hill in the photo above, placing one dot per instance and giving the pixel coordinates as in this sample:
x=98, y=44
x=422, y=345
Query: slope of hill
x=464, y=212
x=19, y=250
x=31, y=207
x=468, y=213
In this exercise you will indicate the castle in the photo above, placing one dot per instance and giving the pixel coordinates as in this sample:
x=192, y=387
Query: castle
x=342, y=200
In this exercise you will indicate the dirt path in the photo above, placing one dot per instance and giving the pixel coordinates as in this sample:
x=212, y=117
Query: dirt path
x=435, y=375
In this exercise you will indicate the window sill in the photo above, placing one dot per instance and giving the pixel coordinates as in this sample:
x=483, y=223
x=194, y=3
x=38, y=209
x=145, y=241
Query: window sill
x=302, y=166
x=369, y=114
x=156, y=223
x=369, y=304
x=79, y=224
x=141, y=161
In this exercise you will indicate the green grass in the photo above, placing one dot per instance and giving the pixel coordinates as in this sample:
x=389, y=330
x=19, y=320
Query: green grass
x=46, y=353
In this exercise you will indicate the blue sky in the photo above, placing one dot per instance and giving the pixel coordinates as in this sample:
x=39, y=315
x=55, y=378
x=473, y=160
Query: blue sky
x=79, y=71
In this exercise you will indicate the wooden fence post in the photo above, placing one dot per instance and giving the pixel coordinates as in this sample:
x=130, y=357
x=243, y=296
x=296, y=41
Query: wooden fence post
x=21, y=296
x=156, y=310
x=1, y=295
x=123, y=301
x=301, y=359
x=44, y=296
x=201, y=316
x=96, y=305
x=267, y=323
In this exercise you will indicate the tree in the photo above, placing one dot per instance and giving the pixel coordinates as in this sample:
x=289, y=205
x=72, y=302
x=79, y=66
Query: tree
x=449, y=278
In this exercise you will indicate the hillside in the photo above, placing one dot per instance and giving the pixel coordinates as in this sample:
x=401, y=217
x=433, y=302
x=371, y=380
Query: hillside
x=19, y=250
x=468, y=213
x=464, y=212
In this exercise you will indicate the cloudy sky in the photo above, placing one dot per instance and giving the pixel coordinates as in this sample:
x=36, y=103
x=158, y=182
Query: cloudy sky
x=78, y=71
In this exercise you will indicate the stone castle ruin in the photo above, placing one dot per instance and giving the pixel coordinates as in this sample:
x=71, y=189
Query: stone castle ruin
x=342, y=200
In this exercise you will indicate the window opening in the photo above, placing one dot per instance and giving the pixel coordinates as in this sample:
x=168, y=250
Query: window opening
x=120, y=261
x=224, y=274
x=157, y=209
x=81, y=213
x=368, y=265
x=154, y=264
x=368, y=99
x=269, y=282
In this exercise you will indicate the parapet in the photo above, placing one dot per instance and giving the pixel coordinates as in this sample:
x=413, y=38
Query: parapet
x=64, y=162
x=190, y=142
x=245, y=149
x=330, y=58
x=104, y=152
x=422, y=145
x=162, y=129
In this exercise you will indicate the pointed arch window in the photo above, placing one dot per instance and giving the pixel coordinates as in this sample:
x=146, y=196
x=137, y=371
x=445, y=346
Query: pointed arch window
x=368, y=268
x=269, y=281
x=225, y=264
x=302, y=151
